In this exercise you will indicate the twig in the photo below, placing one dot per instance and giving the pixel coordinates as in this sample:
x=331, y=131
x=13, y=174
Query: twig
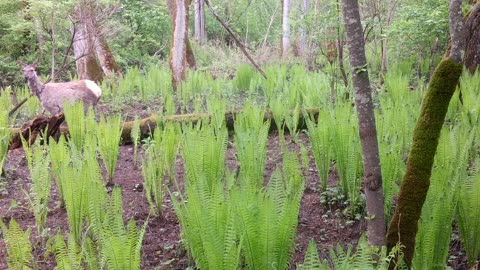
x=242, y=47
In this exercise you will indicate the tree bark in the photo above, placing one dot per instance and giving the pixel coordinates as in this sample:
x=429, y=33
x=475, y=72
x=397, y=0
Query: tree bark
x=84, y=43
x=472, y=50
x=105, y=56
x=178, y=53
x=366, y=122
x=285, y=28
x=416, y=182
x=301, y=43
x=200, y=31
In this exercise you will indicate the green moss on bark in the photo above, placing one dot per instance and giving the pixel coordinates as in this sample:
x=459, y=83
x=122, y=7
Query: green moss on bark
x=404, y=224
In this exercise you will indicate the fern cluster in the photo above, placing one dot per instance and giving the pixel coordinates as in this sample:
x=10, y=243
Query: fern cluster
x=5, y=134
x=19, y=248
x=38, y=162
x=251, y=134
x=108, y=135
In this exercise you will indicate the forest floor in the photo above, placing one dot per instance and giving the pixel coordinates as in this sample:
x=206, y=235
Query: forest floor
x=162, y=246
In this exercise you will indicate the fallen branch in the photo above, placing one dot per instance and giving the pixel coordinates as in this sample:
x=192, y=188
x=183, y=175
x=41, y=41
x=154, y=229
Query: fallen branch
x=32, y=128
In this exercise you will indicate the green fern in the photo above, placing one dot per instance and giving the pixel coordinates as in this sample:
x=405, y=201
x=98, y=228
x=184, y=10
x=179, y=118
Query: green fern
x=5, y=134
x=312, y=260
x=75, y=118
x=153, y=175
x=251, y=134
x=135, y=135
x=109, y=133
x=119, y=246
x=67, y=257
x=468, y=215
x=38, y=162
x=206, y=216
x=433, y=237
x=17, y=243
x=320, y=140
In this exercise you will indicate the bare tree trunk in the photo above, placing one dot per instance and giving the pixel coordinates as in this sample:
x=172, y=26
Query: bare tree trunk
x=200, y=32
x=105, y=56
x=190, y=56
x=285, y=27
x=84, y=44
x=416, y=182
x=178, y=54
x=366, y=122
x=301, y=42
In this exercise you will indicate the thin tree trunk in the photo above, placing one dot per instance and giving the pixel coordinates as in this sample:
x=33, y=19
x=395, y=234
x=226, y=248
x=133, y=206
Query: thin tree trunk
x=285, y=27
x=200, y=31
x=366, y=122
x=178, y=54
x=416, y=182
x=105, y=57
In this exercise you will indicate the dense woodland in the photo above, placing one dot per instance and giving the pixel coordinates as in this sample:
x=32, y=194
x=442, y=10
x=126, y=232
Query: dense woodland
x=243, y=134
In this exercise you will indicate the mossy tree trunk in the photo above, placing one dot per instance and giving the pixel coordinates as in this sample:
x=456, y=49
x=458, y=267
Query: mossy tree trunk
x=416, y=181
x=366, y=121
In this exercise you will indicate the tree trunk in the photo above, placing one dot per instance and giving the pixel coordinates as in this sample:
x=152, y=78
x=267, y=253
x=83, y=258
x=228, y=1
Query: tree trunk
x=178, y=53
x=301, y=43
x=200, y=32
x=285, y=28
x=366, y=122
x=472, y=50
x=413, y=191
x=105, y=57
x=84, y=45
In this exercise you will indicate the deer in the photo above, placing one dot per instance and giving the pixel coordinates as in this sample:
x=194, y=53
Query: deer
x=52, y=96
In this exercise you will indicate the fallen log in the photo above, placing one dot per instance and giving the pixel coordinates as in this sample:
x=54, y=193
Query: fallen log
x=31, y=129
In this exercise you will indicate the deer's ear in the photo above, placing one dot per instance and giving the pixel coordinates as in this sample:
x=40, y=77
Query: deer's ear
x=20, y=63
x=35, y=64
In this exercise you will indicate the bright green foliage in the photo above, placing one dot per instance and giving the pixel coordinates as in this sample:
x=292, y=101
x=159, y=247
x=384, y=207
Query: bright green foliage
x=68, y=256
x=135, y=135
x=346, y=149
x=244, y=76
x=75, y=118
x=60, y=157
x=251, y=134
x=320, y=139
x=312, y=260
x=120, y=246
x=153, y=172
x=38, y=162
x=206, y=215
x=19, y=249
x=108, y=135
x=468, y=215
x=268, y=218
x=345, y=259
x=203, y=151
x=165, y=145
x=5, y=134
x=433, y=237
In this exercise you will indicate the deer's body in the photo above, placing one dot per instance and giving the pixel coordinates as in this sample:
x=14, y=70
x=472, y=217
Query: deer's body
x=52, y=96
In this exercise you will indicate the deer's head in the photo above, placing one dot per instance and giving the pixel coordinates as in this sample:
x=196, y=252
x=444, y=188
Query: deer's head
x=28, y=70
